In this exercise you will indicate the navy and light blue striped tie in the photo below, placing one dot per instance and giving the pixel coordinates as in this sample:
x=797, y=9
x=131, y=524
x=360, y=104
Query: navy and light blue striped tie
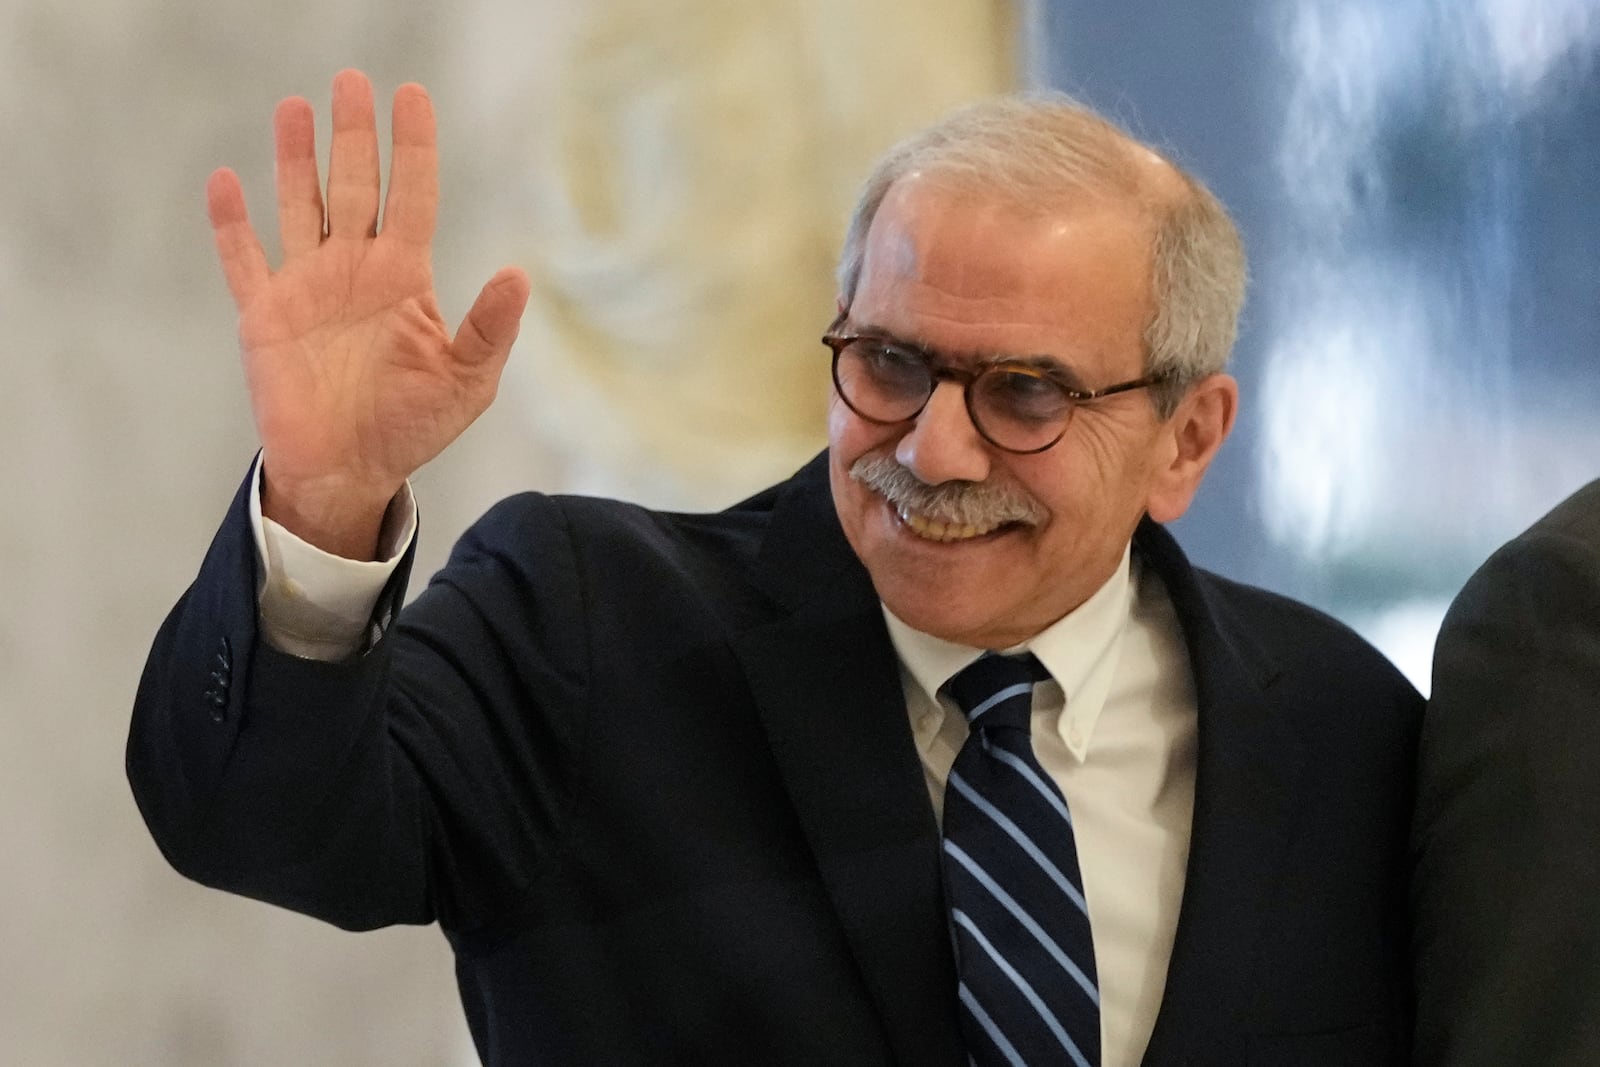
x=1028, y=989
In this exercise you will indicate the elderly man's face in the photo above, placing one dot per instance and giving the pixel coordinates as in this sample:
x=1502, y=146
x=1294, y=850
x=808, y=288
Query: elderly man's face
x=969, y=279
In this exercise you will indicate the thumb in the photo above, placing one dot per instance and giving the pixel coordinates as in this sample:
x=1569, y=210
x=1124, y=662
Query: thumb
x=492, y=323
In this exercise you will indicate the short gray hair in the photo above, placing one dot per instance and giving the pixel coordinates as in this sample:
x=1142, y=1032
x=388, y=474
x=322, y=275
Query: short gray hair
x=1040, y=152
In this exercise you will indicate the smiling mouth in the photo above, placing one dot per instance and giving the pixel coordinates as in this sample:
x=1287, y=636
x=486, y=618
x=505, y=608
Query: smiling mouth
x=945, y=532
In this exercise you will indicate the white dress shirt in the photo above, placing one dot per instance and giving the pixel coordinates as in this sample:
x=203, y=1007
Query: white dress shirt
x=315, y=605
x=1115, y=729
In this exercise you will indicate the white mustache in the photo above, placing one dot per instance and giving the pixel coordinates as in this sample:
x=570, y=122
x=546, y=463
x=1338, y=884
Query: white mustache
x=977, y=504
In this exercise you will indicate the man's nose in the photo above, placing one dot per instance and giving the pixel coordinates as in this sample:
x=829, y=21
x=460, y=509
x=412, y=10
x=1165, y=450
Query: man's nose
x=943, y=445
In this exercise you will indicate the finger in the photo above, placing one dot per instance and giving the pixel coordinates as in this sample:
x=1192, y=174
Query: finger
x=489, y=329
x=244, y=265
x=412, y=205
x=299, y=188
x=353, y=169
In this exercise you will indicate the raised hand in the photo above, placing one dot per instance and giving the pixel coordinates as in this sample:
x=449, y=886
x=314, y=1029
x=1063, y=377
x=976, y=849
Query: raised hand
x=354, y=380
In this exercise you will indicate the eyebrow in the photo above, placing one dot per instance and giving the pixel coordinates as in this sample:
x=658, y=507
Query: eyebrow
x=1045, y=363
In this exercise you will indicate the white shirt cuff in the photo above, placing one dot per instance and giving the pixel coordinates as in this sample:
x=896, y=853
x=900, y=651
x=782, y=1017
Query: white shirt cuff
x=314, y=604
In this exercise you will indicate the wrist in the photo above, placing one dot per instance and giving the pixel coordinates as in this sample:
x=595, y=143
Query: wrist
x=341, y=516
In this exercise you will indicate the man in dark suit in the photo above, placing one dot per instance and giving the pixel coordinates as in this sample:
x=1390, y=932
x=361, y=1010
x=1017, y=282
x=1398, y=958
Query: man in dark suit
x=1507, y=834
x=700, y=788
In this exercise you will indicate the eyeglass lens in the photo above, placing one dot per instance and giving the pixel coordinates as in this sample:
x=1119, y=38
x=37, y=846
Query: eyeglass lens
x=1016, y=407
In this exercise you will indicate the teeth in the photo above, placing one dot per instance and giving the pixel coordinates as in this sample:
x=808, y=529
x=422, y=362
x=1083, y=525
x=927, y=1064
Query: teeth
x=934, y=530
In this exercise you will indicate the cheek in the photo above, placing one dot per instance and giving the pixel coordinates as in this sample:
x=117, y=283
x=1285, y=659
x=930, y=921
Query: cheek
x=1112, y=461
x=838, y=419
x=852, y=501
x=1100, y=452
x=847, y=438
x=850, y=436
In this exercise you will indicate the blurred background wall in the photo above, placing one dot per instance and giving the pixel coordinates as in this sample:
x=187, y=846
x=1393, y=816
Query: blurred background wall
x=1414, y=179
x=675, y=175
x=1420, y=353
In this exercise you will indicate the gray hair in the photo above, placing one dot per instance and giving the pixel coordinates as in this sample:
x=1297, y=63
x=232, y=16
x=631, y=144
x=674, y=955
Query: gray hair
x=1041, y=152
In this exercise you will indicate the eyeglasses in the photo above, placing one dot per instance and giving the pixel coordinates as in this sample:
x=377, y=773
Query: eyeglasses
x=1016, y=405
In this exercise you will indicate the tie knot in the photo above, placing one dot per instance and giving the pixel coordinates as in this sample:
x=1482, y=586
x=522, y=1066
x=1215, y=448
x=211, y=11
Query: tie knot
x=997, y=691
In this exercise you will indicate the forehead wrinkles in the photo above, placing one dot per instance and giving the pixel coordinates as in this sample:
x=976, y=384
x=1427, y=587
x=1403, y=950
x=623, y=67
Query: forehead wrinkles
x=973, y=277
x=973, y=254
x=928, y=236
x=894, y=250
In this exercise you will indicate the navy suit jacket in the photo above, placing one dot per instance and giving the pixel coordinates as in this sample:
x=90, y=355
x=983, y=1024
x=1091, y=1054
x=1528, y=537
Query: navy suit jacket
x=1507, y=882
x=653, y=775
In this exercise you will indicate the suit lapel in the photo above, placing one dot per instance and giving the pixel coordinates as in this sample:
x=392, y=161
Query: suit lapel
x=825, y=683
x=824, y=680
x=1248, y=764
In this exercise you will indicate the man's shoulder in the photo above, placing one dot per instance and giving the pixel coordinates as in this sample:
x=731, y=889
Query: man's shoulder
x=601, y=527
x=1272, y=609
x=619, y=537
x=1276, y=635
x=1234, y=606
x=1336, y=682
x=1563, y=541
x=1577, y=515
x=1548, y=575
x=1282, y=622
x=1568, y=532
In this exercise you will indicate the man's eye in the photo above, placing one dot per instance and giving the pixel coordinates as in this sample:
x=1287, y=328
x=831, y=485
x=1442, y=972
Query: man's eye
x=1023, y=394
x=892, y=364
x=890, y=358
x=1016, y=383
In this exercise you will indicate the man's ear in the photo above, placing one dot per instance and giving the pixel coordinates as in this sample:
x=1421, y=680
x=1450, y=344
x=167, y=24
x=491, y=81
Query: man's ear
x=1192, y=436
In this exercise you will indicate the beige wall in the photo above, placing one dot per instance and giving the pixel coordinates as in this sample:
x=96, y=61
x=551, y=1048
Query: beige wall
x=730, y=137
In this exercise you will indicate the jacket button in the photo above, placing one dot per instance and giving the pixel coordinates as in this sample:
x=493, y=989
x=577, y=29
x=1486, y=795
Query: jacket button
x=221, y=678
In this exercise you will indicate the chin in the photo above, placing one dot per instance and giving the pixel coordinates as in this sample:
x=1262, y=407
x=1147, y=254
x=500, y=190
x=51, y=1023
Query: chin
x=947, y=617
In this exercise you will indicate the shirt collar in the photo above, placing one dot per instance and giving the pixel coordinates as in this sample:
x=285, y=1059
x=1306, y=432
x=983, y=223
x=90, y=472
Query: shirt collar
x=1076, y=649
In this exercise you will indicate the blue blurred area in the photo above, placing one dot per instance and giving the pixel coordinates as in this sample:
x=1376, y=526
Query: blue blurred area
x=1415, y=182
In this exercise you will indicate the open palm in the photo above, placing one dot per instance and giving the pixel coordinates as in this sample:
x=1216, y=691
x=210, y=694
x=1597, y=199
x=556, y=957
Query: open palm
x=354, y=379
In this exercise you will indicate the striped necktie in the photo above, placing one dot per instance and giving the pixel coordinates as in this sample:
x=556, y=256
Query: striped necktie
x=1026, y=961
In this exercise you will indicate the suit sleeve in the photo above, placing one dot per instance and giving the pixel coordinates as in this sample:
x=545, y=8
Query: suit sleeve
x=420, y=780
x=1507, y=836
